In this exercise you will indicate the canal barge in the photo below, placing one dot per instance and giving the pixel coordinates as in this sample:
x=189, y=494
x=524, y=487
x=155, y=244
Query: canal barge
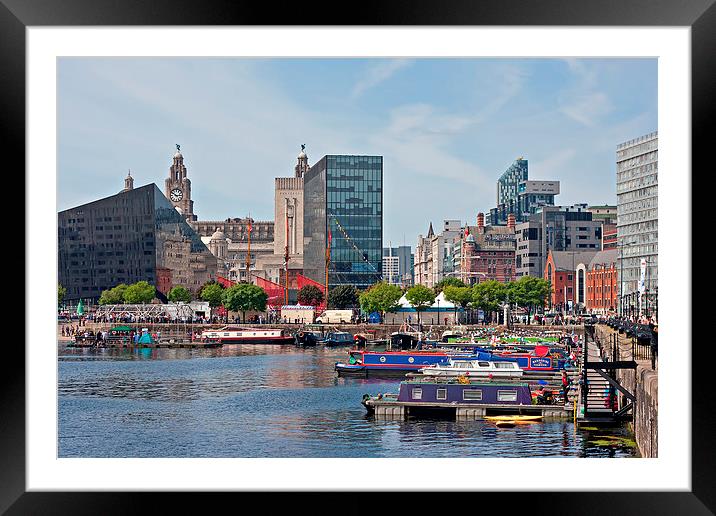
x=392, y=363
x=229, y=335
x=473, y=368
x=338, y=338
x=471, y=400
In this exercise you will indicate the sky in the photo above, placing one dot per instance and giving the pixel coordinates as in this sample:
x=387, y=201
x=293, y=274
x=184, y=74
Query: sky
x=447, y=128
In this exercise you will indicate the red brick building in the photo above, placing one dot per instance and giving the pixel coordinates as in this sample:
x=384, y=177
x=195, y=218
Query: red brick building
x=488, y=252
x=602, y=282
x=566, y=272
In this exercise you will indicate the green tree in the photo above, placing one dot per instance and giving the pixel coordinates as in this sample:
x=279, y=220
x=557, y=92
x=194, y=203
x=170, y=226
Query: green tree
x=139, y=293
x=179, y=293
x=212, y=292
x=381, y=297
x=458, y=296
x=113, y=296
x=489, y=295
x=61, y=293
x=310, y=295
x=420, y=297
x=449, y=281
x=529, y=292
x=342, y=297
x=244, y=297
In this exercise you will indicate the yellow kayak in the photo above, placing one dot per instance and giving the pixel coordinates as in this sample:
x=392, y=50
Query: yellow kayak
x=516, y=419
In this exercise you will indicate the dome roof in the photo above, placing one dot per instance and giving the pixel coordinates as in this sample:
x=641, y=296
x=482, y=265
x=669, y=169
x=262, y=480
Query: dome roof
x=177, y=154
x=218, y=235
x=302, y=155
x=470, y=238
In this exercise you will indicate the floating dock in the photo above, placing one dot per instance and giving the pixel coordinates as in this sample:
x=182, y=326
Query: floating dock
x=391, y=408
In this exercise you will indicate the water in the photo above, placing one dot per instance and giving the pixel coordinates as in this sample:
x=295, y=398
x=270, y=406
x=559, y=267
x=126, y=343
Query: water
x=269, y=401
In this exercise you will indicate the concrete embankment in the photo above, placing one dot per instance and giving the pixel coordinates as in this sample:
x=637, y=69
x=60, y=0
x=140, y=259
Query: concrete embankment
x=643, y=382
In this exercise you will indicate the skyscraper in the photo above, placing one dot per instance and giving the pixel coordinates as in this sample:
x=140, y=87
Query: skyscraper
x=637, y=219
x=343, y=212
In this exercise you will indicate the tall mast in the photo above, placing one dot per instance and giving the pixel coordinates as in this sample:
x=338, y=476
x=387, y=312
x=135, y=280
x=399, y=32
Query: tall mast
x=285, y=264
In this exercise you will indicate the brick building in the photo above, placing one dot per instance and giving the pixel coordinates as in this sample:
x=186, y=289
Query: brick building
x=566, y=272
x=602, y=282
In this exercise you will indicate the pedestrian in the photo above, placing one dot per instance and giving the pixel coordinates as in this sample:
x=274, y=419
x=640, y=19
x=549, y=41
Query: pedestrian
x=565, y=386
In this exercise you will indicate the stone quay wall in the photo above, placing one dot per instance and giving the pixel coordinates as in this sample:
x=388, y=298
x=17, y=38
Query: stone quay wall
x=643, y=383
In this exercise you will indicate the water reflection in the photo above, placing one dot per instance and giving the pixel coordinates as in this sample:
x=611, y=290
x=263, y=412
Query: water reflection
x=266, y=401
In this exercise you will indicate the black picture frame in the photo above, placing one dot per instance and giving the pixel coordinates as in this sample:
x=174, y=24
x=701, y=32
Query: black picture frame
x=16, y=15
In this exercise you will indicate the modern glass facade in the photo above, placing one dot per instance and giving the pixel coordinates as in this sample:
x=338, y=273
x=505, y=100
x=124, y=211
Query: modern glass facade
x=344, y=195
x=136, y=235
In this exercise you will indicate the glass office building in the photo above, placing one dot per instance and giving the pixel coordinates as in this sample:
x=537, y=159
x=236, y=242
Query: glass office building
x=343, y=197
x=135, y=235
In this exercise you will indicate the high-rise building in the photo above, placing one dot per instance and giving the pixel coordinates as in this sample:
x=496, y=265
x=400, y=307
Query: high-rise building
x=554, y=228
x=518, y=196
x=398, y=265
x=135, y=235
x=343, y=212
x=637, y=222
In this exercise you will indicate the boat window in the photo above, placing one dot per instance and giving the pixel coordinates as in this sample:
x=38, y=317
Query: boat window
x=472, y=394
x=504, y=365
x=484, y=364
x=506, y=395
x=441, y=394
x=417, y=394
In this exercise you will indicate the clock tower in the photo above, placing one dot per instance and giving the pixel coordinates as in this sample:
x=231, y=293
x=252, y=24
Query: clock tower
x=177, y=187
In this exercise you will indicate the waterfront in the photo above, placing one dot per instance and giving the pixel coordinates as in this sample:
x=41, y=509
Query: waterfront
x=270, y=401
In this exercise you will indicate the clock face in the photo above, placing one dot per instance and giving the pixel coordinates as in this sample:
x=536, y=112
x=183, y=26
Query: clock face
x=176, y=195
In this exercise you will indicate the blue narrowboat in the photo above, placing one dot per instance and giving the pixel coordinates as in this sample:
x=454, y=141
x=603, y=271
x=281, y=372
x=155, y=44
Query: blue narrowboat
x=392, y=363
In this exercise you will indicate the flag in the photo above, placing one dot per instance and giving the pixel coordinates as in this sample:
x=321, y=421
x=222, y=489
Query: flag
x=249, y=228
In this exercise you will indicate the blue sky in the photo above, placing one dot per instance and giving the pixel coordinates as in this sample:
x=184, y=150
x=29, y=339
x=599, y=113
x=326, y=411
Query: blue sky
x=447, y=128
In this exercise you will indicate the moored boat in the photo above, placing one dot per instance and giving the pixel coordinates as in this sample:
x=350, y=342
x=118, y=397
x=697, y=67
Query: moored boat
x=455, y=367
x=392, y=363
x=338, y=338
x=433, y=393
x=229, y=335
x=307, y=338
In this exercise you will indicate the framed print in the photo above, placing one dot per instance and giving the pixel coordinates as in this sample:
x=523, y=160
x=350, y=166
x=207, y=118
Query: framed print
x=242, y=306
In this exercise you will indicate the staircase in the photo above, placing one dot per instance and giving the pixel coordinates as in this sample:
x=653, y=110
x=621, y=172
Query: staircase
x=597, y=398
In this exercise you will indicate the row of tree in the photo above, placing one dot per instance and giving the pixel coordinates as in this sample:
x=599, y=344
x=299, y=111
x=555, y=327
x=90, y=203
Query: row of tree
x=528, y=292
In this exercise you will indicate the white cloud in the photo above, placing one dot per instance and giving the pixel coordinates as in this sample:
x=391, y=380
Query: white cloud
x=379, y=73
x=588, y=108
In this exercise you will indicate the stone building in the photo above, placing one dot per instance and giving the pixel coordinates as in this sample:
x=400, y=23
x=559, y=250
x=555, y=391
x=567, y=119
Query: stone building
x=177, y=187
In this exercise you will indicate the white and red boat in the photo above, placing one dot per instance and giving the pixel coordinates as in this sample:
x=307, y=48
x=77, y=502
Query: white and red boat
x=229, y=335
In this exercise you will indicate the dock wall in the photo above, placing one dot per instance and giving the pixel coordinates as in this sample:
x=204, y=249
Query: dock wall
x=644, y=383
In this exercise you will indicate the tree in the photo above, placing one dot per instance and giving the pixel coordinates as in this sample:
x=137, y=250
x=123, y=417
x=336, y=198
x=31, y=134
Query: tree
x=489, y=295
x=420, y=297
x=179, y=293
x=381, y=297
x=243, y=298
x=459, y=296
x=449, y=281
x=310, y=295
x=61, y=293
x=113, y=296
x=529, y=292
x=342, y=297
x=212, y=292
x=139, y=293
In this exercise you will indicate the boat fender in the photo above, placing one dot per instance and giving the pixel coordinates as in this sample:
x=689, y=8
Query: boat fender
x=366, y=397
